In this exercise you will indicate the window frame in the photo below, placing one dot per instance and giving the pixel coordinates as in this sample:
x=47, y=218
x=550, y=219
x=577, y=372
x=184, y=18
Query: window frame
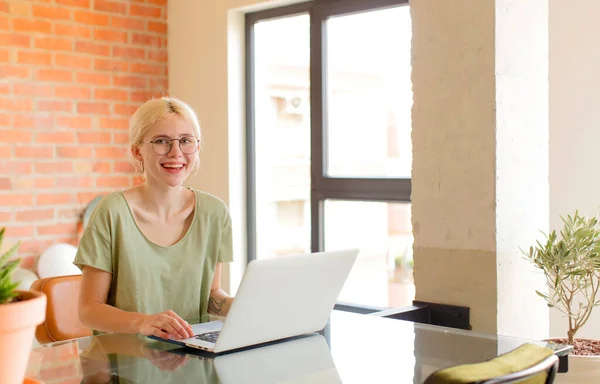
x=323, y=187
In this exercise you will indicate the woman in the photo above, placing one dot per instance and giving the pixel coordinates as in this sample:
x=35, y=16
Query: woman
x=151, y=255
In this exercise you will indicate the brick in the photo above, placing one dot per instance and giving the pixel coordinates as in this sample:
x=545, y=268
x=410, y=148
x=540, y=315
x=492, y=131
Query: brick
x=4, y=120
x=31, y=26
x=4, y=55
x=76, y=122
x=34, y=152
x=74, y=152
x=147, y=40
x=113, y=123
x=7, y=199
x=93, y=108
x=5, y=183
x=93, y=78
x=19, y=8
x=69, y=213
x=158, y=2
x=16, y=105
x=56, y=106
x=128, y=23
x=15, y=136
x=51, y=12
x=90, y=18
x=120, y=138
x=4, y=23
x=32, y=121
x=18, y=231
x=111, y=94
x=54, y=167
x=7, y=72
x=58, y=229
x=112, y=181
x=55, y=137
x=5, y=217
x=73, y=92
x=32, y=89
x=74, y=3
x=137, y=180
x=34, y=58
x=44, y=182
x=15, y=167
x=102, y=167
x=157, y=26
x=145, y=11
x=123, y=109
x=35, y=214
x=14, y=40
x=129, y=53
x=123, y=167
x=54, y=75
x=158, y=82
x=86, y=197
x=93, y=138
x=5, y=153
x=73, y=31
x=110, y=35
x=54, y=44
x=53, y=198
x=92, y=48
x=83, y=167
x=130, y=81
x=67, y=60
x=151, y=69
x=110, y=6
x=111, y=65
x=24, y=183
x=113, y=153
x=76, y=182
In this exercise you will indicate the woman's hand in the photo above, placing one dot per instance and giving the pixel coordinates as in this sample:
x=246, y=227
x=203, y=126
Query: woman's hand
x=167, y=325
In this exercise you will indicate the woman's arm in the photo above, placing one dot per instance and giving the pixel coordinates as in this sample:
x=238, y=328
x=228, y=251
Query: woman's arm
x=96, y=314
x=219, y=302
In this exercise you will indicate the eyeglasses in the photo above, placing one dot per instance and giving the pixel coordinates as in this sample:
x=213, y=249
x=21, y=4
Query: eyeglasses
x=162, y=145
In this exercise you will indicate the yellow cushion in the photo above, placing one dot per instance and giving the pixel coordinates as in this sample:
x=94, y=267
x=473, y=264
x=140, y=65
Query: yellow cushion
x=517, y=360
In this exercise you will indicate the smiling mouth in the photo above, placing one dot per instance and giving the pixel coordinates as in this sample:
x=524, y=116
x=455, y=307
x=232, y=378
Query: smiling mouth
x=173, y=166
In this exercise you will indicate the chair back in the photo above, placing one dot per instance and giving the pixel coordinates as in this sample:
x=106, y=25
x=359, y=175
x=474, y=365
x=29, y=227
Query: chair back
x=528, y=364
x=62, y=318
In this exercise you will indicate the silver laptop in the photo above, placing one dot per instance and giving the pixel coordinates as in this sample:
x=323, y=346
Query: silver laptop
x=278, y=298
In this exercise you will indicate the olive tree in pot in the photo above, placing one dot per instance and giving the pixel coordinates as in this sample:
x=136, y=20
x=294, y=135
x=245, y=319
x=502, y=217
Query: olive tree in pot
x=20, y=313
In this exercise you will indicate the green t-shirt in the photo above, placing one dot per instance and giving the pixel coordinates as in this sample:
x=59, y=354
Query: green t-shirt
x=149, y=278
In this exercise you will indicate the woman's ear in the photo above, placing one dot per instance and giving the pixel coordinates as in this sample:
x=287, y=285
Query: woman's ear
x=135, y=151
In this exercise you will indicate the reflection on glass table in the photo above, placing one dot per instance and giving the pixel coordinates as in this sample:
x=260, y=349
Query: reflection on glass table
x=352, y=348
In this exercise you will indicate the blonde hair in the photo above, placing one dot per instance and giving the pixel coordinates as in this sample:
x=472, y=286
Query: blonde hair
x=160, y=109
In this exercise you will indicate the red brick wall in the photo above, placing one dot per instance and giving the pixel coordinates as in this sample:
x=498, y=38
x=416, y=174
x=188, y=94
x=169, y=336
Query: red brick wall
x=71, y=74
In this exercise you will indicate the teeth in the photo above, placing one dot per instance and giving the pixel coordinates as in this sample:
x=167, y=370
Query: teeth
x=172, y=166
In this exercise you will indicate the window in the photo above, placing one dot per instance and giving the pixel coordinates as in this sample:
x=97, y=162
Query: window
x=329, y=151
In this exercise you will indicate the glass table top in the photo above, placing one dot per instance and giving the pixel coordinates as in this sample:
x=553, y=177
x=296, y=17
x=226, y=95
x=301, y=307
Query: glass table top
x=352, y=348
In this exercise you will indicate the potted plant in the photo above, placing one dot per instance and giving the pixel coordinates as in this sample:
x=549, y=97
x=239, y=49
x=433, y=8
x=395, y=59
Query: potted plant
x=20, y=313
x=571, y=266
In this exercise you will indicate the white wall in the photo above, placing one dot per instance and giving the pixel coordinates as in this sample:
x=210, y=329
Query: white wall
x=574, y=122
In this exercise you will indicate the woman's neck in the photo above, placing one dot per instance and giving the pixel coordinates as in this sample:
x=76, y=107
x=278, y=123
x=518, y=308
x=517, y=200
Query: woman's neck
x=163, y=201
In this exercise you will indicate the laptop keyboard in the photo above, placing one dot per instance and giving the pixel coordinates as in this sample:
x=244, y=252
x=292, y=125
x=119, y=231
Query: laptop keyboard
x=209, y=336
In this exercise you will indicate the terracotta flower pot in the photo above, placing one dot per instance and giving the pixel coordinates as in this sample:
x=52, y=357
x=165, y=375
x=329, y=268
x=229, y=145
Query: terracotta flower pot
x=18, y=321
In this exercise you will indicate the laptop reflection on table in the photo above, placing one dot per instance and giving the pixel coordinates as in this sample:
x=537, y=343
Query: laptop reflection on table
x=303, y=360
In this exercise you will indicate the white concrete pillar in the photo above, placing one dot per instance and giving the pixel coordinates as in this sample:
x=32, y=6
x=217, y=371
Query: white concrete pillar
x=480, y=157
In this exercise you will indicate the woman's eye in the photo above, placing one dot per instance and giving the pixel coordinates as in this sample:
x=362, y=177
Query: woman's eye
x=186, y=140
x=160, y=141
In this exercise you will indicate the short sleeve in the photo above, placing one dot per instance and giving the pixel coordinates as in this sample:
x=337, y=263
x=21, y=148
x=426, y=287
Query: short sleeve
x=94, y=247
x=225, y=253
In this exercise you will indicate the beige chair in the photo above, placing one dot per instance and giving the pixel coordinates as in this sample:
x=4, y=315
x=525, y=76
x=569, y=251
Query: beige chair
x=62, y=319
